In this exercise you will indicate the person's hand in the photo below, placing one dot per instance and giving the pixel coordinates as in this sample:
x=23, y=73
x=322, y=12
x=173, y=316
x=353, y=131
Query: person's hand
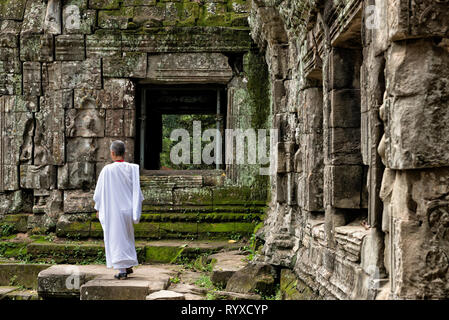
x=98, y=215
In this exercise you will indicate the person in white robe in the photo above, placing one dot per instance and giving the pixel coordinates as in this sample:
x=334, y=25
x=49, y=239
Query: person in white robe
x=118, y=201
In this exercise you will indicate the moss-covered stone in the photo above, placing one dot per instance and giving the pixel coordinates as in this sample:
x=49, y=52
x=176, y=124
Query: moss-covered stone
x=115, y=19
x=293, y=288
x=104, y=4
x=12, y=9
x=13, y=250
x=147, y=230
x=17, y=221
x=193, y=196
x=74, y=226
x=162, y=254
x=24, y=275
x=239, y=195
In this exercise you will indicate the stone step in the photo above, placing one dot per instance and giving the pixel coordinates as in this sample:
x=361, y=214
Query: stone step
x=96, y=282
x=24, y=275
x=165, y=295
x=83, y=252
x=227, y=295
x=21, y=294
x=210, y=225
x=4, y=290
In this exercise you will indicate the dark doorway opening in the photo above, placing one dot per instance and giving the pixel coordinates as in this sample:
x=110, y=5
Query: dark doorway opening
x=162, y=108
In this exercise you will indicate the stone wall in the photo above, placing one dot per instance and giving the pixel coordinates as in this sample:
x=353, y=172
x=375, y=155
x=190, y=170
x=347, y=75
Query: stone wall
x=69, y=76
x=359, y=207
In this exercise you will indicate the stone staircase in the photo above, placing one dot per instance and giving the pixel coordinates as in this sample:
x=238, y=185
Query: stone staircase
x=184, y=217
x=188, y=206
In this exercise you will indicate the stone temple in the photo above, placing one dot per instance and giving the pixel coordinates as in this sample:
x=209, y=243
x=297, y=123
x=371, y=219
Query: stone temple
x=357, y=205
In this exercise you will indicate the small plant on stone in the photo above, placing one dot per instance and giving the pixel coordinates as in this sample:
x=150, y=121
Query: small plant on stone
x=175, y=280
x=235, y=236
x=211, y=296
x=50, y=238
x=205, y=282
x=276, y=296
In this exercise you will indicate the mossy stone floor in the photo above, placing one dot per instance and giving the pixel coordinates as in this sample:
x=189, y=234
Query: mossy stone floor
x=48, y=249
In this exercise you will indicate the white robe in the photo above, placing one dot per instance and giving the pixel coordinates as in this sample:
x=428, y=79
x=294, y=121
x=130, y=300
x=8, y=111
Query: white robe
x=118, y=199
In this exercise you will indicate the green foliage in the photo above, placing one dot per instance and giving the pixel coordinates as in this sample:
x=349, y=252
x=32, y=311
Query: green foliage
x=276, y=296
x=205, y=282
x=7, y=229
x=251, y=248
x=50, y=238
x=184, y=121
x=175, y=280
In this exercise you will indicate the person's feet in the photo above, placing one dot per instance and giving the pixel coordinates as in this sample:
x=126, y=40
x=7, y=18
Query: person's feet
x=129, y=270
x=121, y=276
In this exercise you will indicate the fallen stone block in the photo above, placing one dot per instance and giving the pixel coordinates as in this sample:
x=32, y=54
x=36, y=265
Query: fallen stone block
x=225, y=264
x=165, y=295
x=254, y=278
x=225, y=295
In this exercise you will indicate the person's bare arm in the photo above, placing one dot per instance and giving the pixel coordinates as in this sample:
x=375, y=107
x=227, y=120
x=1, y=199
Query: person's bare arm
x=98, y=215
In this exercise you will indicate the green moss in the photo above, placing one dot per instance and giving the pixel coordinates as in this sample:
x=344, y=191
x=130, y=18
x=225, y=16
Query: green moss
x=80, y=229
x=162, y=254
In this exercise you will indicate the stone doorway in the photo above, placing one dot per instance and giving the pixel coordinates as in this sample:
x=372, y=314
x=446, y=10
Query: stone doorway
x=192, y=108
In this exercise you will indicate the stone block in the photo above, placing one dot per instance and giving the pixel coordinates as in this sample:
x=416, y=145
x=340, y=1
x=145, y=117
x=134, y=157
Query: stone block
x=9, y=33
x=37, y=176
x=49, y=135
x=165, y=295
x=311, y=107
x=150, y=16
x=257, y=277
x=137, y=3
x=36, y=47
x=345, y=108
x=104, y=44
x=104, y=4
x=81, y=149
x=344, y=146
x=192, y=196
x=342, y=186
x=70, y=47
x=284, y=157
x=12, y=9
x=73, y=74
x=48, y=202
x=131, y=64
x=76, y=175
x=32, y=78
x=225, y=264
x=115, y=19
x=52, y=21
x=78, y=202
x=419, y=19
x=85, y=122
x=119, y=93
x=16, y=201
x=344, y=65
x=129, y=123
x=10, y=177
x=104, y=154
x=188, y=68
x=114, y=123
x=77, y=20
x=415, y=128
x=33, y=20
